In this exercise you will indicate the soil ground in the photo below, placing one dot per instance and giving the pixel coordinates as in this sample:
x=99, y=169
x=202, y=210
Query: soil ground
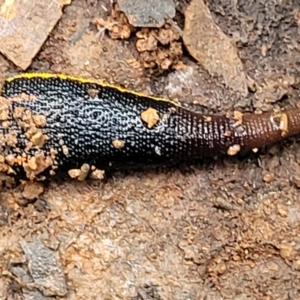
x=219, y=229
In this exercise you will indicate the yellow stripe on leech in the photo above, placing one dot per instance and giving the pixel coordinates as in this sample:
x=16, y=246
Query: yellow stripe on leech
x=85, y=80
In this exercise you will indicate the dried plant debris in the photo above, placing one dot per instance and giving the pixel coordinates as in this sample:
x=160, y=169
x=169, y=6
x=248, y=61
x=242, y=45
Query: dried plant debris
x=45, y=268
x=212, y=48
x=144, y=13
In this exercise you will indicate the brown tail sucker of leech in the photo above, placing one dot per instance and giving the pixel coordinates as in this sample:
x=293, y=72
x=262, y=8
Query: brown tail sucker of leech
x=51, y=123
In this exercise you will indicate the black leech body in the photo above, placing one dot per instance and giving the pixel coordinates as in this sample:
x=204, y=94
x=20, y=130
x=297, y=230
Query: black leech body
x=98, y=124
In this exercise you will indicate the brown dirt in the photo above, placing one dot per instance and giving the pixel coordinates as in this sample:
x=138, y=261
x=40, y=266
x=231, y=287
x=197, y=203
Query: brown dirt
x=223, y=229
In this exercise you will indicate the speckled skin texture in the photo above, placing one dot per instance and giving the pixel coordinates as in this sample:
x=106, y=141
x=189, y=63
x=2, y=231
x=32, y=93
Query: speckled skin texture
x=88, y=117
x=88, y=125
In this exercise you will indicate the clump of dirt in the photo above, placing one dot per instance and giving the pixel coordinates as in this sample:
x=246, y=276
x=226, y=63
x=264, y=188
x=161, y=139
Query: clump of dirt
x=116, y=24
x=159, y=48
